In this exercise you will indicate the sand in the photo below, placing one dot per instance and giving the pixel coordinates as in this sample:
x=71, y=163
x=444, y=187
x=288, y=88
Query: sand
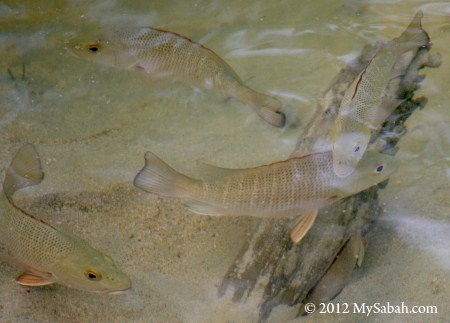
x=93, y=124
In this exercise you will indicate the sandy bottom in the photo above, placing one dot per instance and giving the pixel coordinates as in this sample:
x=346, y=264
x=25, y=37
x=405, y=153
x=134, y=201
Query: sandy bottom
x=93, y=124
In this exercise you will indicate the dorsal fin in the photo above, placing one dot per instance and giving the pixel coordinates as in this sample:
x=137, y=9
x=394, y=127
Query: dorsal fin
x=212, y=172
x=25, y=170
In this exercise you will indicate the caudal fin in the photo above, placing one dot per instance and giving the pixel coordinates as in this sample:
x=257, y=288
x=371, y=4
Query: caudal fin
x=414, y=36
x=267, y=107
x=159, y=178
x=25, y=170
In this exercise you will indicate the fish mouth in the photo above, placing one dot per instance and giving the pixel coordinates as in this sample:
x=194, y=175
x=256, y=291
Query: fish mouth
x=73, y=49
x=119, y=292
x=110, y=291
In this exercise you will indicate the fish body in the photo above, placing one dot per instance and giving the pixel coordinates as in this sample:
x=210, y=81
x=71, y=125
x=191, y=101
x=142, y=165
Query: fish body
x=166, y=55
x=50, y=255
x=281, y=189
x=336, y=277
x=367, y=103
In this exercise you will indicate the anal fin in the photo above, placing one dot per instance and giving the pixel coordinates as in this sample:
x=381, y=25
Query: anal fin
x=205, y=209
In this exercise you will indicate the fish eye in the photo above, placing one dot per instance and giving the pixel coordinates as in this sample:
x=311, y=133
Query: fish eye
x=92, y=275
x=379, y=168
x=94, y=48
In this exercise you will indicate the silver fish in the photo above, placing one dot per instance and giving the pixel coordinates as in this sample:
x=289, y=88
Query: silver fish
x=365, y=106
x=50, y=255
x=166, y=55
x=281, y=189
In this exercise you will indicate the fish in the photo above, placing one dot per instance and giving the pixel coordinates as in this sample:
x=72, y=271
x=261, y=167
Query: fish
x=165, y=55
x=368, y=102
x=349, y=258
x=49, y=254
x=285, y=188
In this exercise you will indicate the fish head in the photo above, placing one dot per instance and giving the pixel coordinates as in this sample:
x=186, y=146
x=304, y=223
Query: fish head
x=372, y=169
x=103, y=49
x=348, y=149
x=91, y=270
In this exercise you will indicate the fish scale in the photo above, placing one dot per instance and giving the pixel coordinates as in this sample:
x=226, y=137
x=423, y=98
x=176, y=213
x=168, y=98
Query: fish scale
x=180, y=56
x=284, y=188
x=31, y=241
x=50, y=255
x=366, y=103
x=162, y=54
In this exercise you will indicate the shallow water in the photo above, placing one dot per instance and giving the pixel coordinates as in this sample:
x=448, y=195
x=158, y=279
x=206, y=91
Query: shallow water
x=92, y=125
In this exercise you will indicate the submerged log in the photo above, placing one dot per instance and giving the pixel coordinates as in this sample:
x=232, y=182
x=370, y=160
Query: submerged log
x=271, y=269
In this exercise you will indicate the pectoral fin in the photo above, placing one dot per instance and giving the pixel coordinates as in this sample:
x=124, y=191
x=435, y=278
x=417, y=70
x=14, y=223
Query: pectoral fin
x=30, y=279
x=303, y=225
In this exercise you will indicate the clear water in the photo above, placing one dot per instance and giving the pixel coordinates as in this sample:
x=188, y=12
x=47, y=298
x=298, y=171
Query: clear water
x=92, y=125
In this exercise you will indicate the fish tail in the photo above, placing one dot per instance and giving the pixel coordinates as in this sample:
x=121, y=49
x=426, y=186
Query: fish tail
x=414, y=36
x=25, y=170
x=160, y=179
x=267, y=107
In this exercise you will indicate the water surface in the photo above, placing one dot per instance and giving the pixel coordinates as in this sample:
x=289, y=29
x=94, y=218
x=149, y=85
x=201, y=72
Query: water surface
x=92, y=125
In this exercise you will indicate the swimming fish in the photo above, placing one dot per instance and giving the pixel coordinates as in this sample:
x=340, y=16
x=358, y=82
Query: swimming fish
x=337, y=276
x=365, y=106
x=50, y=255
x=166, y=55
x=285, y=188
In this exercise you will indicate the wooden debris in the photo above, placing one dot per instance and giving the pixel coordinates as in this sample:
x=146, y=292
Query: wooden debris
x=270, y=269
